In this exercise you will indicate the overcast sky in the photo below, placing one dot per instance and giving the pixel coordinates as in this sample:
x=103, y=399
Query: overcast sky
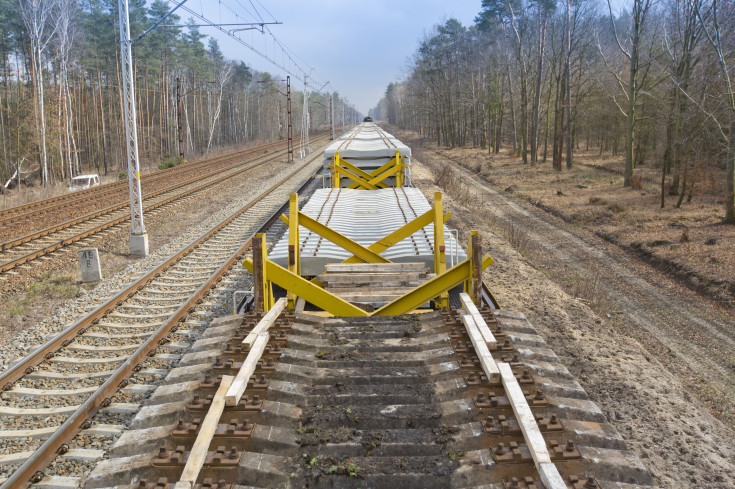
x=359, y=46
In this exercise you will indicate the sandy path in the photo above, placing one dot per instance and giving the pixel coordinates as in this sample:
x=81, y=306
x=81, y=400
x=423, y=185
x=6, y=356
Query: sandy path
x=671, y=430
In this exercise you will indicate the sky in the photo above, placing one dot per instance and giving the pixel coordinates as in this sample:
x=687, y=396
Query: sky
x=359, y=46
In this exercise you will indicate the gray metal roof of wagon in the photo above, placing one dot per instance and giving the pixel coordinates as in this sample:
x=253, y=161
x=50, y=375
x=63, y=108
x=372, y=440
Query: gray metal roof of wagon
x=366, y=140
x=365, y=217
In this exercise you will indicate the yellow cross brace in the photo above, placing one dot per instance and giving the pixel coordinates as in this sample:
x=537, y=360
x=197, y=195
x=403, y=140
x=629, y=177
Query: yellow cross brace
x=362, y=179
x=363, y=174
x=310, y=292
x=339, y=307
x=365, y=254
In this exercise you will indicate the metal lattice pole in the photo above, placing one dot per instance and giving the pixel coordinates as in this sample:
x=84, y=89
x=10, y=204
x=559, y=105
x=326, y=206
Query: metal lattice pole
x=331, y=118
x=290, y=119
x=138, y=237
x=307, y=150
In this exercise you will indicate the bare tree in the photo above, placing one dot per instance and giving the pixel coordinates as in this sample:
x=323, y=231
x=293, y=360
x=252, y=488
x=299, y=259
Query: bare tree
x=636, y=75
x=543, y=11
x=37, y=15
x=64, y=43
x=713, y=33
x=568, y=85
x=222, y=76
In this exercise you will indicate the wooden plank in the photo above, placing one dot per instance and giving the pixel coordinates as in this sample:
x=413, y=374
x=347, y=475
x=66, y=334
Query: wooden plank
x=237, y=389
x=369, y=298
x=265, y=323
x=375, y=267
x=206, y=432
x=478, y=342
x=374, y=284
x=479, y=320
x=340, y=277
x=550, y=476
x=300, y=305
x=524, y=415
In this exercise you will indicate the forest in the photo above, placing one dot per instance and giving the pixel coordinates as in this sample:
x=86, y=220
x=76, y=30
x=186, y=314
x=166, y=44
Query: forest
x=542, y=79
x=61, y=96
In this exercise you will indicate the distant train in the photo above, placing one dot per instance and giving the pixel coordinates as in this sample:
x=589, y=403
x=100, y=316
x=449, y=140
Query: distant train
x=367, y=119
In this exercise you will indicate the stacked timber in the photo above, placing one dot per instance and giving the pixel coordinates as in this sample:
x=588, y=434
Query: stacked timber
x=372, y=285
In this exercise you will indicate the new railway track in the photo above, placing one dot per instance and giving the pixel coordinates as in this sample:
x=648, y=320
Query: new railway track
x=21, y=250
x=86, y=367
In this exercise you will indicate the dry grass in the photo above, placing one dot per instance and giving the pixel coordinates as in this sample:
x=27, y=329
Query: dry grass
x=689, y=241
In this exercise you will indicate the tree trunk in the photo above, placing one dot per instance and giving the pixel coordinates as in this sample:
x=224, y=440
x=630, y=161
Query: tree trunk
x=537, y=91
x=730, y=176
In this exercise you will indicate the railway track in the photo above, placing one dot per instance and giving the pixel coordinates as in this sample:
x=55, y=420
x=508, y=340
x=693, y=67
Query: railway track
x=76, y=390
x=15, y=221
x=19, y=251
x=379, y=402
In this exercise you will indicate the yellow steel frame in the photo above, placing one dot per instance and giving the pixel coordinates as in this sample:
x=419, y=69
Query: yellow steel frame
x=265, y=283
x=440, y=259
x=303, y=288
x=294, y=253
x=358, y=250
x=364, y=180
x=339, y=307
x=383, y=244
x=435, y=289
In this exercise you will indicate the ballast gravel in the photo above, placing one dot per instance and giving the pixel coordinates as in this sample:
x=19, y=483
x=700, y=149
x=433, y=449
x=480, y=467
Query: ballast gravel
x=64, y=316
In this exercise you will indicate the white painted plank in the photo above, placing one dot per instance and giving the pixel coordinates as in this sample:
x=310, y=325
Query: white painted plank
x=206, y=432
x=266, y=322
x=237, y=389
x=478, y=342
x=524, y=415
x=550, y=476
x=479, y=320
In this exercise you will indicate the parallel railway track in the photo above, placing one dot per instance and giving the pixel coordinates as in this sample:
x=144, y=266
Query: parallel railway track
x=104, y=348
x=22, y=250
x=43, y=213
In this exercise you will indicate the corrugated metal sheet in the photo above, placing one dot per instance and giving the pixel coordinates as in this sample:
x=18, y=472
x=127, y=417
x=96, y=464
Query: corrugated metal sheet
x=368, y=147
x=366, y=141
x=365, y=217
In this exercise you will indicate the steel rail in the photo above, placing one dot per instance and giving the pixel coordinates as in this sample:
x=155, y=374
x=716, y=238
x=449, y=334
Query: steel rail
x=52, y=203
x=7, y=245
x=9, y=265
x=29, y=471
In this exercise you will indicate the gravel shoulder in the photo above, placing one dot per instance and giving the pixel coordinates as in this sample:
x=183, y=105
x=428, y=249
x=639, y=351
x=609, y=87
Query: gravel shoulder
x=649, y=366
x=33, y=314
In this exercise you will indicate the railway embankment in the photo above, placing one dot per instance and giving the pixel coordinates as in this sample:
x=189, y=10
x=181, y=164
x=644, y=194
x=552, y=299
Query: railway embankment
x=671, y=404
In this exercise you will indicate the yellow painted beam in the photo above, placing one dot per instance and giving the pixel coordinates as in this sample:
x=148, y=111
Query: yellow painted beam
x=294, y=259
x=359, y=172
x=376, y=172
x=426, y=291
x=382, y=176
x=310, y=292
x=440, y=257
x=361, y=183
x=399, y=172
x=335, y=171
x=393, y=238
x=365, y=254
x=368, y=184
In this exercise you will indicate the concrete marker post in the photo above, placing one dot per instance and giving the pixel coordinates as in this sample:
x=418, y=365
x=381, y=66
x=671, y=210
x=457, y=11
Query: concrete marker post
x=89, y=265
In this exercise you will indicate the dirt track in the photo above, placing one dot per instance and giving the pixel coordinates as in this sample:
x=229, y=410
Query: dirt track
x=641, y=364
